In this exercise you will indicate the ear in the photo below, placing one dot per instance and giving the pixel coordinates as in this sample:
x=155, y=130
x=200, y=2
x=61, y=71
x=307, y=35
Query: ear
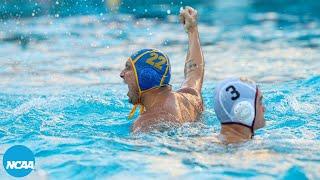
x=149, y=78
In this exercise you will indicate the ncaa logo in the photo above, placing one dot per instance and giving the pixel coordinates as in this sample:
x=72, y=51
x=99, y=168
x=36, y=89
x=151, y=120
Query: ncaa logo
x=18, y=161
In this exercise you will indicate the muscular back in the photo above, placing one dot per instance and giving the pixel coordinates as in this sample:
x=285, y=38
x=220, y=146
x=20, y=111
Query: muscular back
x=176, y=108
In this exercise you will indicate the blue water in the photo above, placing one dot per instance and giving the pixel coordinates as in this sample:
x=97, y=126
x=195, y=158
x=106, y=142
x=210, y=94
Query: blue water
x=61, y=94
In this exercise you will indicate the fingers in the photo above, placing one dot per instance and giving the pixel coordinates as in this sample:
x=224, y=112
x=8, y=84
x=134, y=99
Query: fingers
x=191, y=11
x=181, y=16
x=188, y=17
x=188, y=12
x=195, y=13
x=185, y=15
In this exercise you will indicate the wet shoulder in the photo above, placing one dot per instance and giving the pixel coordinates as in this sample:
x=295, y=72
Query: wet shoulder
x=191, y=96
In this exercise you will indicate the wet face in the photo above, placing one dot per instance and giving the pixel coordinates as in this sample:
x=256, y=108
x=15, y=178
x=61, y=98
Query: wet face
x=260, y=109
x=128, y=76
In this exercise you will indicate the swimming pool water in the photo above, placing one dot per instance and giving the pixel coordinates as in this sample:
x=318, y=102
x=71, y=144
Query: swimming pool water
x=61, y=94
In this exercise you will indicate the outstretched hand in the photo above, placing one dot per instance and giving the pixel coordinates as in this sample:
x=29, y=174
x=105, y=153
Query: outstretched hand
x=188, y=17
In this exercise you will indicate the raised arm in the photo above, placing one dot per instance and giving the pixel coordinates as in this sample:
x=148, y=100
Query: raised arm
x=194, y=65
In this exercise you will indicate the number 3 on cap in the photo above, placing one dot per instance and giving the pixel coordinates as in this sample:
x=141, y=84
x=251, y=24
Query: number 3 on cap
x=155, y=56
x=233, y=92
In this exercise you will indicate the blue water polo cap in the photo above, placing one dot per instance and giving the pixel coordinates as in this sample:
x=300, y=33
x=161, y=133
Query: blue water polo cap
x=152, y=69
x=235, y=101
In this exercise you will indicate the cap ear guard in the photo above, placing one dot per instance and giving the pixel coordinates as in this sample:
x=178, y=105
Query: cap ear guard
x=149, y=78
x=244, y=112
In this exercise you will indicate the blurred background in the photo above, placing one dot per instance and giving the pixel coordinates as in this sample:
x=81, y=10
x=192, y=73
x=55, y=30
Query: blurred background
x=150, y=8
x=81, y=41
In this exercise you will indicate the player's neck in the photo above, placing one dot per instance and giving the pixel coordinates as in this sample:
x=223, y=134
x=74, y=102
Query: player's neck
x=233, y=133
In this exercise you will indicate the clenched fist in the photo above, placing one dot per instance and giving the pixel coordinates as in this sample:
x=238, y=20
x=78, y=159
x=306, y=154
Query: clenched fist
x=188, y=17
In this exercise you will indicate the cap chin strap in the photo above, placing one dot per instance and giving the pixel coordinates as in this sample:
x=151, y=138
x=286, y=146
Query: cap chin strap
x=134, y=108
x=139, y=103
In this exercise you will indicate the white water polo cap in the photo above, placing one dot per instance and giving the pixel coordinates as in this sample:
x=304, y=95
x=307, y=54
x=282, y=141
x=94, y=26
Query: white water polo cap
x=235, y=101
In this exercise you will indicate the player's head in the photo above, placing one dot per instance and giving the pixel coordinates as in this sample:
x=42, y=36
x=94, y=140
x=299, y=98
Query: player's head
x=239, y=101
x=146, y=69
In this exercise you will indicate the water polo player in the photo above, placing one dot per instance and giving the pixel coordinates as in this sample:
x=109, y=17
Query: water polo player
x=147, y=74
x=239, y=108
